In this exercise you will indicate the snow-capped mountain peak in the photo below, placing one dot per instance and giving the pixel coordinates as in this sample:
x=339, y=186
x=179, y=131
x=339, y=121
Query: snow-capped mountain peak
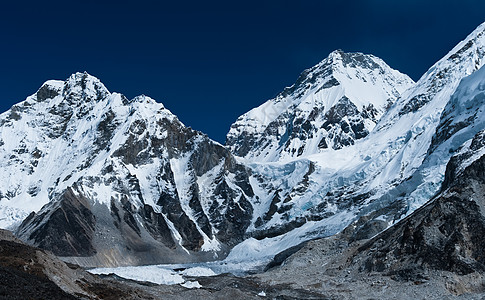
x=380, y=177
x=125, y=182
x=89, y=164
x=330, y=106
x=84, y=86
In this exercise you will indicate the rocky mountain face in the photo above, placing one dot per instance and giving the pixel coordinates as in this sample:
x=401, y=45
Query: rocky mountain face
x=384, y=176
x=435, y=253
x=112, y=181
x=445, y=234
x=117, y=181
x=330, y=106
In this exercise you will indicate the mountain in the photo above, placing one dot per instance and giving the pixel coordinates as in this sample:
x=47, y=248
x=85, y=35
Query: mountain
x=331, y=105
x=116, y=181
x=102, y=180
x=436, y=252
x=380, y=178
x=446, y=233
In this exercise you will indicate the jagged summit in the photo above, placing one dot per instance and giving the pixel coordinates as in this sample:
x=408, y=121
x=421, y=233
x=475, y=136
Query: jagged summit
x=78, y=85
x=382, y=176
x=330, y=106
x=86, y=83
x=118, y=181
x=328, y=70
x=89, y=164
x=81, y=86
x=63, y=118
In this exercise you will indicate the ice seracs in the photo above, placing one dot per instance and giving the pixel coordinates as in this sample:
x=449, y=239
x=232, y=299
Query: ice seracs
x=382, y=176
x=114, y=181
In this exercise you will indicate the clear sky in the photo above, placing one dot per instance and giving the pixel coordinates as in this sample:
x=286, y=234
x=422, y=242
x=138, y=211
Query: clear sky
x=211, y=61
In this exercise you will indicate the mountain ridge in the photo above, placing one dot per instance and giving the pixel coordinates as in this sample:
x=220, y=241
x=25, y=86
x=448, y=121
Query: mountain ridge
x=355, y=86
x=389, y=173
x=119, y=170
x=115, y=181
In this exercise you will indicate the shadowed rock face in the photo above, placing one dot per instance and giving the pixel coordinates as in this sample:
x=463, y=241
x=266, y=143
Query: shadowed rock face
x=22, y=274
x=157, y=226
x=445, y=234
x=345, y=124
x=136, y=186
x=65, y=227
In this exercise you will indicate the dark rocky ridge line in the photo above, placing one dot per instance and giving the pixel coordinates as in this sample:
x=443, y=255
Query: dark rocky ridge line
x=445, y=234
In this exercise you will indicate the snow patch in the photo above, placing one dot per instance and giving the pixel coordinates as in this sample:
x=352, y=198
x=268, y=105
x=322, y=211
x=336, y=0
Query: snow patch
x=191, y=285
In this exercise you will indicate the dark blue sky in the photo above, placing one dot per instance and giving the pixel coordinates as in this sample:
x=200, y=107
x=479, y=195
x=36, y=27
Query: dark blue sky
x=211, y=61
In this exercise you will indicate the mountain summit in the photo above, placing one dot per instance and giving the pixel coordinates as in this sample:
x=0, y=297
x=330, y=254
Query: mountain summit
x=103, y=180
x=117, y=181
x=331, y=105
x=379, y=178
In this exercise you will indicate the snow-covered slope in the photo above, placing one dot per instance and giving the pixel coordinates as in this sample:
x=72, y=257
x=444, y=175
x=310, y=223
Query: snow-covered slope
x=419, y=119
x=382, y=177
x=115, y=181
x=120, y=181
x=331, y=105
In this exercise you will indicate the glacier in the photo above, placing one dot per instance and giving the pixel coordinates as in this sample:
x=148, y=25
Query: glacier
x=105, y=181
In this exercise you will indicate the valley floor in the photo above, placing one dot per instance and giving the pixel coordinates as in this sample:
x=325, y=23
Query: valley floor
x=322, y=267
x=320, y=270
